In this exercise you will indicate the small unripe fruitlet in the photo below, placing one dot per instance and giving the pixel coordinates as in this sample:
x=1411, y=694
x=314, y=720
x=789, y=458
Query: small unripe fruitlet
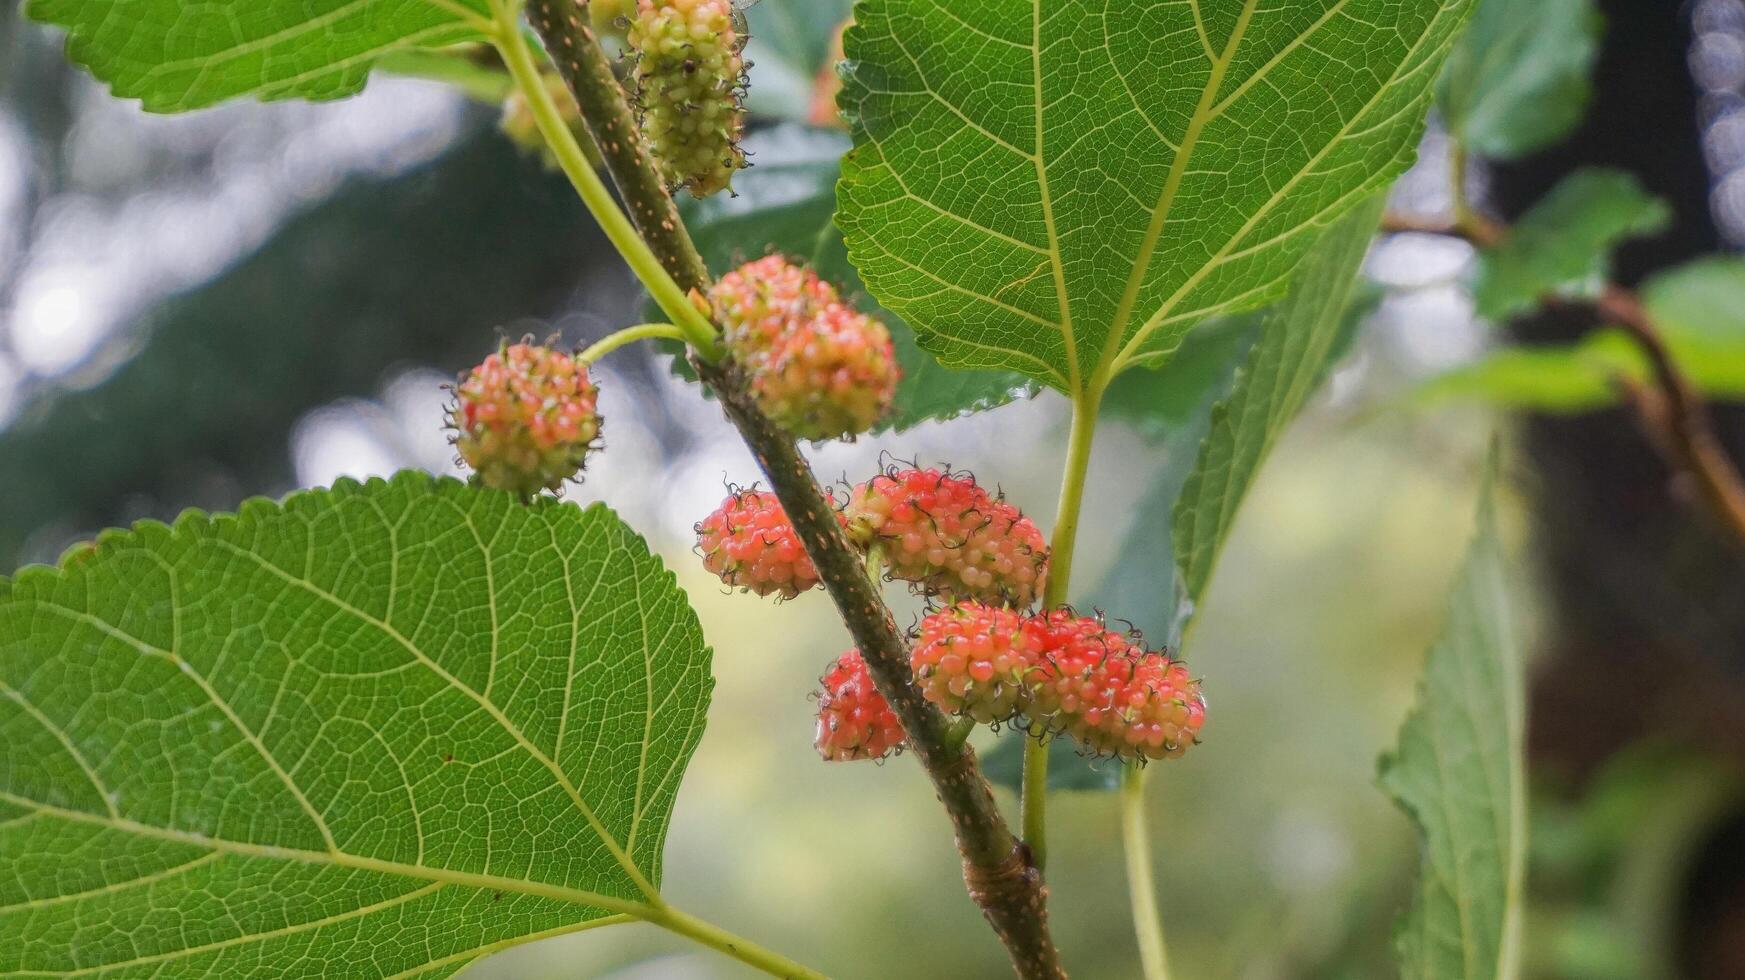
x=750, y=544
x=526, y=419
x=854, y=719
x=827, y=85
x=1109, y=693
x=688, y=70
x=518, y=124
x=817, y=367
x=973, y=660
x=950, y=536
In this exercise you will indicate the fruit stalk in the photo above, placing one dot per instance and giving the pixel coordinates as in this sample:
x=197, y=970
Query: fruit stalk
x=1000, y=878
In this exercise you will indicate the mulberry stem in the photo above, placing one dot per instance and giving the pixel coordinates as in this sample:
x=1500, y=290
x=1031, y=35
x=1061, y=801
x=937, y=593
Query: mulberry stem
x=1136, y=840
x=699, y=332
x=642, y=331
x=1033, y=803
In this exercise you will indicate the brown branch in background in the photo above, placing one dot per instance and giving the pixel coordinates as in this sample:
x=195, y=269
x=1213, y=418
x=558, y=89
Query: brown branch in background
x=1672, y=414
x=1686, y=433
x=997, y=871
x=1475, y=229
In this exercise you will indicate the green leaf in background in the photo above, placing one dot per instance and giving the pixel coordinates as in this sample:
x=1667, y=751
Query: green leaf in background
x=785, y=205
x=174, y=56
x=1459, y=773
x=1069, y=769
x=383, y=729
x=1063, y=188
x=1517, y=80
x=1699, y=309
x=1561, y=245
x=1285, y=367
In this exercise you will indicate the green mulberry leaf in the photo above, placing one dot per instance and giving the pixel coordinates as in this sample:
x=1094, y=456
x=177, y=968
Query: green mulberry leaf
x=174, y=55
x=383, y=729
x=1062, y=188
x=1459, y=773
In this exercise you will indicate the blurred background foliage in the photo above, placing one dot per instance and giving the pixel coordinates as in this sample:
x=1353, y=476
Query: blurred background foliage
x=254, y=298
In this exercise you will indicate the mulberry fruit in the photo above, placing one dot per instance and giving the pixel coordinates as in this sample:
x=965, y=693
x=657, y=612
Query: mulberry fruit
x=749, y=543
x=854, y=720
x=817, y=367
x=689, y=71
x=1110, y=694
x=517, y=123
x=974, y=660
x=526, y=419
x=950, y=536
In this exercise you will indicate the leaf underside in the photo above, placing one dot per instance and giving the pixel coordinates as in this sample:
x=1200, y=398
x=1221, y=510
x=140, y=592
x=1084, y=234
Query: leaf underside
x=380, y=729
x=1296, y=345
x=786, y=204
x=173, y=55
x=1060, y=188
x=1458, y=772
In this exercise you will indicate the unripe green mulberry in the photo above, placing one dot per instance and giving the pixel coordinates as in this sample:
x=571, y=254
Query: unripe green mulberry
x=518, y=124
x=526, y=419
x=689, y=73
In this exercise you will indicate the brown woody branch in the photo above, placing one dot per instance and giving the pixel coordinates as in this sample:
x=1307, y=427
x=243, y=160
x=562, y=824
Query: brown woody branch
x=997, y=871
x=1673, y=415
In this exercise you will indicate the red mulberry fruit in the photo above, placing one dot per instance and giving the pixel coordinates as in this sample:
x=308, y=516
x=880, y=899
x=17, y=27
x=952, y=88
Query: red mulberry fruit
x=854, y=720
x=689, y=71
x=526, y=418
x=749, y=543
x=816, y=366
x=950, y=536
x=973, y=660
x=1109, y=693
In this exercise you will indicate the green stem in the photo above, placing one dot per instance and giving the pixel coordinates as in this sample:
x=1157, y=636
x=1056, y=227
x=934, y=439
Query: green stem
x=1464, y=216
x=959, y=732
x=518, y=56
x=1034, y=799
x=722, y=941
x=642, y=331
x=1135, y=836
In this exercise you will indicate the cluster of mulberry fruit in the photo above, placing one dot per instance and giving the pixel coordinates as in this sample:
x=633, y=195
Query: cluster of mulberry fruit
x=941, y=532
x=689, y=75
x=526, y=419
x=817, y=366
x=1057, y=673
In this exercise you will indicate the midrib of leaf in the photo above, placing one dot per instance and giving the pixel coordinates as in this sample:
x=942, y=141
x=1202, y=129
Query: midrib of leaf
x=1041, y=165
x=1109, y=363
x=337, y=858
x=1158, y=318
x=490, y=707
x=486, y=950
